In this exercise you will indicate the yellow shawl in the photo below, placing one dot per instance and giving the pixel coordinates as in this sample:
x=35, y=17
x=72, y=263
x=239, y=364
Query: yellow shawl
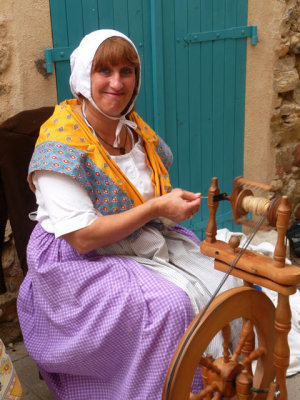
x=66, y=145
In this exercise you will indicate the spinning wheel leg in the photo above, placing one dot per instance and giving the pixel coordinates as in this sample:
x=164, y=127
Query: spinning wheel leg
x=235, y=303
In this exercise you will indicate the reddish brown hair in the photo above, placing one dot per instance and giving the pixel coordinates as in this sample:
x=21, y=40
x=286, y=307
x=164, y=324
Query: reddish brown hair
x=114, y=51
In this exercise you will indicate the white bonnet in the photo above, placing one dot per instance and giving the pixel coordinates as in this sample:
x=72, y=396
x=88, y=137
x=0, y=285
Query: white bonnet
x=81, y=60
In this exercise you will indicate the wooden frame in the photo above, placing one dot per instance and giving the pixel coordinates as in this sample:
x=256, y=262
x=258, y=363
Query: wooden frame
x=251, y=304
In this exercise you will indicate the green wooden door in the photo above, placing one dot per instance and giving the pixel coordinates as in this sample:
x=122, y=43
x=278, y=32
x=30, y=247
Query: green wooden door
x=193, y=56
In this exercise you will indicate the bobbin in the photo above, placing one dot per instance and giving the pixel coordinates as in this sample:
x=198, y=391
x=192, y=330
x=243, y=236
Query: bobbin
x=243, y=201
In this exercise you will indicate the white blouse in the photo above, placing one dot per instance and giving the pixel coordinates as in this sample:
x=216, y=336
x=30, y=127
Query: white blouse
x=64, y=205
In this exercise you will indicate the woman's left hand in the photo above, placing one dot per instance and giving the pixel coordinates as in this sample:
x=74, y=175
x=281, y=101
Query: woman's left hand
x=178, y=205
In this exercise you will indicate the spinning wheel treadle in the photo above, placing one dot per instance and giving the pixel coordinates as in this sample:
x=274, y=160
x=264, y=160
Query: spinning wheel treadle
x=231, y=376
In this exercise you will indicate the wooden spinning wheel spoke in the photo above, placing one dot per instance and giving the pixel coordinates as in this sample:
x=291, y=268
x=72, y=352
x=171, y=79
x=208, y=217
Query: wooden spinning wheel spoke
x=207, y=362
x=234, y=378
x=226, y=342
x=254, y=355
x=246, y=331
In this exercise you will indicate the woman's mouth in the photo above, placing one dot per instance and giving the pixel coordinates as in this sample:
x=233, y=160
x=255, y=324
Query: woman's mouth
x=114, y=94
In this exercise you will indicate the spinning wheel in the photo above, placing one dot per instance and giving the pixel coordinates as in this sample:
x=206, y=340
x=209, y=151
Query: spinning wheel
x=232, y=304
x=230, y=376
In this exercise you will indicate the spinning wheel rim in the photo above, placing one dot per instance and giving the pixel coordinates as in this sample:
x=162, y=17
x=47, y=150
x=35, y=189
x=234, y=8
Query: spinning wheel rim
x=234, y=303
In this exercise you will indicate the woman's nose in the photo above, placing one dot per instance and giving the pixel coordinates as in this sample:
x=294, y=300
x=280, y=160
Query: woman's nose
x=116, y=81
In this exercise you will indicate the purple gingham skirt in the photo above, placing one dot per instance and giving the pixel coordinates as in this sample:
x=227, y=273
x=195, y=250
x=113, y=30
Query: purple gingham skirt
x=98, y=327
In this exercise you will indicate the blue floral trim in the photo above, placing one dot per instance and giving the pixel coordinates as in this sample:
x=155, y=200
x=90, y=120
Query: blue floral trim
x=165, y=153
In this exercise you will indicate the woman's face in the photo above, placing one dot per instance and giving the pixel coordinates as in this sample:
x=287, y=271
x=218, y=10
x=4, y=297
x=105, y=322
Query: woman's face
x=112, y=88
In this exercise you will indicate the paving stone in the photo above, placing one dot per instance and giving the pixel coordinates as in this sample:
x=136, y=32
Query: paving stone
x=33, y=387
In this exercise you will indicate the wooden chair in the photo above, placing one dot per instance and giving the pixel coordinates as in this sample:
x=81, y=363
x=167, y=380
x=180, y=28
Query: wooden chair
x=231, y=376
x=18, y=135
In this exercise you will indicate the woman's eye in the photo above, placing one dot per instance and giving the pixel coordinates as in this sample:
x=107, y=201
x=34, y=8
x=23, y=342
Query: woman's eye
x=104, y=71
x=126, y=71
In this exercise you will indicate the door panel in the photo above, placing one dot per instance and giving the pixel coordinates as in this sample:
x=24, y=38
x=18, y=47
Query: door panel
x=193, y=79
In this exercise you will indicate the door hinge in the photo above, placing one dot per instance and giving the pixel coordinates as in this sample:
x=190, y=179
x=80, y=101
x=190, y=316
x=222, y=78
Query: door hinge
x=55, y=55
x=230, y=33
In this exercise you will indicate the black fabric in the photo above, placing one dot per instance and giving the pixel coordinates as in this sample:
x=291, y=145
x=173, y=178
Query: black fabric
x=293, y=234
x=17, y=139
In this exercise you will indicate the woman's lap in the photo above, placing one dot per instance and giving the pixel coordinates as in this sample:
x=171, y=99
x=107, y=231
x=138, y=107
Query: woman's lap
x=104, y=322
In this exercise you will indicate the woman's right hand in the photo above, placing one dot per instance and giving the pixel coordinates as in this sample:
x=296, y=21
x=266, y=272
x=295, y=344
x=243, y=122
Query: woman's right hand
x=178, y=205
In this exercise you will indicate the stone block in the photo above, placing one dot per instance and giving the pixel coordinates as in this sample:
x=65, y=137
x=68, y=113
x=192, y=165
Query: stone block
x=284, y=161
x=8, y=232
x=296, y=93
x=4, y=58
x=285, y=64
x=286, y=76
x=285, y=123
x=282, y=50
x=297, y=64
x=13, y=277
x=286, y=81
x=277, y=184
x=9, y=255
x=8, y=306
x=293, y=190
x=10, y=331
x=4, y=88
x=3, y=30
x=296, y=156
x=295, y=43
x=296, y=173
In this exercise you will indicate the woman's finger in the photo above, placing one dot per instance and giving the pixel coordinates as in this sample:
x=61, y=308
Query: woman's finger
x=190, y=196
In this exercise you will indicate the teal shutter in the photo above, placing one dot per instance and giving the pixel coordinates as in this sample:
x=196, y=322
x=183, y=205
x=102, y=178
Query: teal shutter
x=193, y=56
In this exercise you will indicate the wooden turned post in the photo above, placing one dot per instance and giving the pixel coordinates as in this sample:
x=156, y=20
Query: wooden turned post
x=281, y=350
x=283, y=217
x=243, y=386
x=211, y=229
x=249, y=344
x=226, y=343
x=283, y=311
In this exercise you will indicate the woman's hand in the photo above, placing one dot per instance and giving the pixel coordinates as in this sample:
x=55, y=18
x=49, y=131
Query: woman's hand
x=178, y=205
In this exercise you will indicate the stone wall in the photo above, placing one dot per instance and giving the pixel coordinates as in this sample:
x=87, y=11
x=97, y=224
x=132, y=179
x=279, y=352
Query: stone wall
x=285, y=122
x=25, y=31
x=13, y=276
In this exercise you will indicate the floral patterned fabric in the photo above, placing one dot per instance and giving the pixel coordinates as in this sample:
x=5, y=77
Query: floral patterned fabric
x=10, y=387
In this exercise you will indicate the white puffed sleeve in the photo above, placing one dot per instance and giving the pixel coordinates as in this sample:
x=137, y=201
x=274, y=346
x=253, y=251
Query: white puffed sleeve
x=63, y=204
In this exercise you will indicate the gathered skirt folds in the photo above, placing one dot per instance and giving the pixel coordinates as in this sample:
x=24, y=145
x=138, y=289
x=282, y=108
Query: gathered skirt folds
x=100, y=327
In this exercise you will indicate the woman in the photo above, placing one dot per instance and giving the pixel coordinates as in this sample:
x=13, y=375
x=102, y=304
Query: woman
x=112, y=284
